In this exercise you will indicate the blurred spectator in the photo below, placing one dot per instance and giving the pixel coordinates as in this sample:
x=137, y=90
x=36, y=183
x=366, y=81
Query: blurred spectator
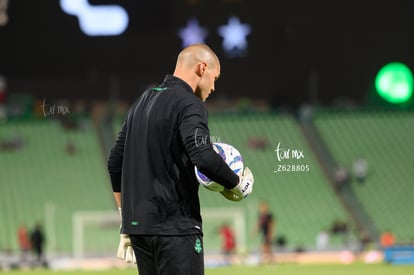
x=341, y=177
x=364, y=240
x=360, y=169
x=258, y=143
x=11, y=144
x=322, y=240
x=300, y=249
x=267, y=227
x=24, y=242
x=228, y=241
x=71, y=148
x=387, y=239
x=69, y=124
x=281, y=242
x=38, y=241
x=339, y=227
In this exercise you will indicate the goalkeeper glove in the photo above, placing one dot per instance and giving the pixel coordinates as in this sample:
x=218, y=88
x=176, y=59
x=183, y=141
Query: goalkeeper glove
x=125, y=250
x=243, y=189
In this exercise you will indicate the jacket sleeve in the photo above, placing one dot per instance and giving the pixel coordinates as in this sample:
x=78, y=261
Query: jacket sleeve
x=193, y=127
x=115, y=159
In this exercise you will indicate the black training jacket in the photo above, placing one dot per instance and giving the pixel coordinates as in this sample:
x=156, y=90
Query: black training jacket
x=164, y=134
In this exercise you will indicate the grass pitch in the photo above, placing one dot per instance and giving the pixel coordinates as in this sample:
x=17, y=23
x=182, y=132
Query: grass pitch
x=282, y=269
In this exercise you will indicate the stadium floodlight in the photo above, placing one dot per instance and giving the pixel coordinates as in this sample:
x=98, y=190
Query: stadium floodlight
x=193, y=33
x=234, y=35
x=394, y=83
x=99, y=20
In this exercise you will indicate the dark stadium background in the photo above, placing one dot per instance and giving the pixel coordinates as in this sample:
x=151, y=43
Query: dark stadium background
x=342, y=43
x=306, y=83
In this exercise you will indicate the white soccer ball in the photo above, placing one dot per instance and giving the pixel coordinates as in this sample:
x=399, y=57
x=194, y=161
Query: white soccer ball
x=231, y=156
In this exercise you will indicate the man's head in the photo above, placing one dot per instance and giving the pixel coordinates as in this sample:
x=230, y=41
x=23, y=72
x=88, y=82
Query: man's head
x=199, y=66
x=263, y=207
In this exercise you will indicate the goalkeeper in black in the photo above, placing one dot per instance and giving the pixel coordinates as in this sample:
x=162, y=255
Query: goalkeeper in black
x=151, y=166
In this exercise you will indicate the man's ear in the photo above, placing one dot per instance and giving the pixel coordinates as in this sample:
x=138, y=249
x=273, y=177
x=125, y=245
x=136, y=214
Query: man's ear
x=201, y=68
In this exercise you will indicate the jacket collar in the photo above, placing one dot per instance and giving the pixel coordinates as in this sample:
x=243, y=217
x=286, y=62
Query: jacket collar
x=178, y=81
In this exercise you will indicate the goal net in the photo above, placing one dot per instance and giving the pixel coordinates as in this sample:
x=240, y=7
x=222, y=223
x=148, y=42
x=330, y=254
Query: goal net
x=95, y=233
x=215, y=218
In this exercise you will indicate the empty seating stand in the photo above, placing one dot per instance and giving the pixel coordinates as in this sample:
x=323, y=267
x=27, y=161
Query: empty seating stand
x=385, y=139
x=56, y=171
